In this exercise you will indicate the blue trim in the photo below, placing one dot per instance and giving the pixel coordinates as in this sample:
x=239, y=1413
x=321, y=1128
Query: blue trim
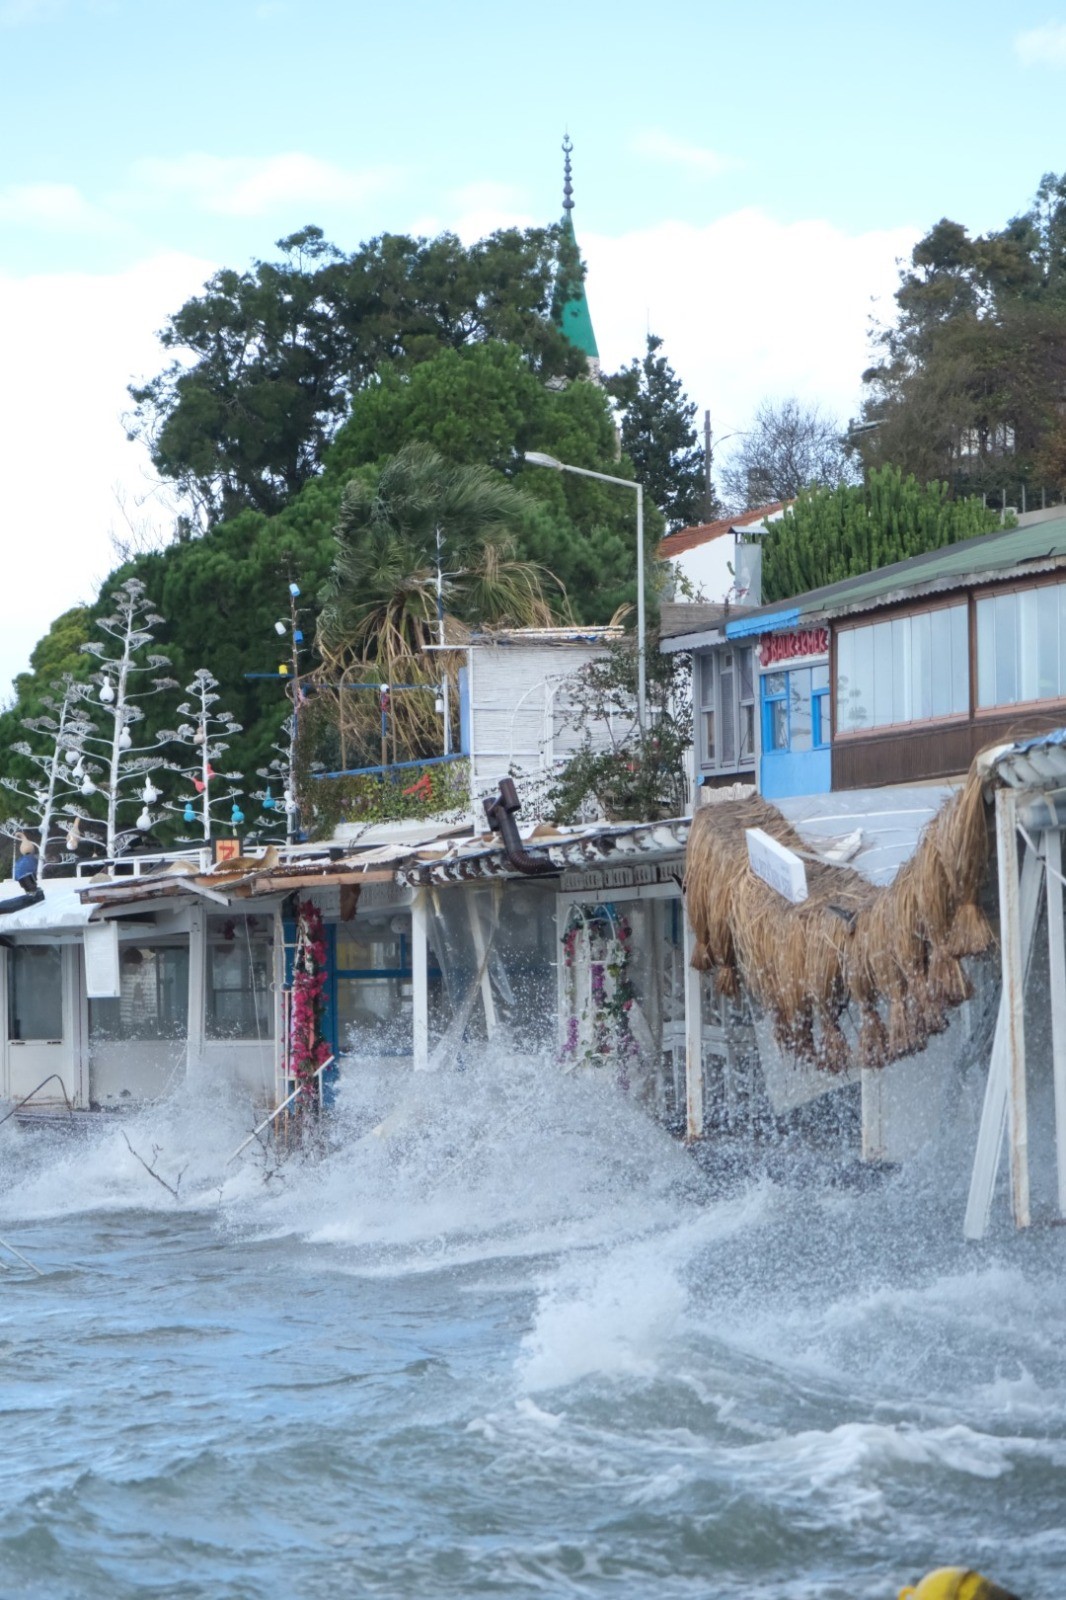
x=744, y=627
x=394, y=766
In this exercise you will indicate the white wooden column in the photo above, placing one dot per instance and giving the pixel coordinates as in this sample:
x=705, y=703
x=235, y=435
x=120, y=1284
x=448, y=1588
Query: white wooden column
x=420, y=979
x=693, y=1038
x=197, y=994
x=1019, y=910
x=1057, y=975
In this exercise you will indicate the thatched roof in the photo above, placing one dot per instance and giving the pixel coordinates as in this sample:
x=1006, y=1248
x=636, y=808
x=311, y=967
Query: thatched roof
x=890, y=956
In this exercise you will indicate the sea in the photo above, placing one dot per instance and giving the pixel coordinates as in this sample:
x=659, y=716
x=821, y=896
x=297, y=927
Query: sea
x=495, y=1332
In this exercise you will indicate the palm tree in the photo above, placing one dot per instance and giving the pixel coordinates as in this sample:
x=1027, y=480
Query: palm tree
x=380, y=604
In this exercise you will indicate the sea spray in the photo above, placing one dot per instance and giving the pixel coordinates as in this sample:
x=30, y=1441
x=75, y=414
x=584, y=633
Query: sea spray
x=493, y=1332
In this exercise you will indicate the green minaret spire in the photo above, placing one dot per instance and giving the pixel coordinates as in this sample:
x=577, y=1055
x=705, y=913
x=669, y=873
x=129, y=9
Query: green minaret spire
x=572, y=312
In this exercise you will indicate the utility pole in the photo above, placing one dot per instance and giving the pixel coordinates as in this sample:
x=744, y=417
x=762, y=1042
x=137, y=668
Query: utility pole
x=708, y=490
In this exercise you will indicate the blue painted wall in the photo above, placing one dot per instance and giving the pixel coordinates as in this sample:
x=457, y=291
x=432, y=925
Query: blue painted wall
x=785, y=772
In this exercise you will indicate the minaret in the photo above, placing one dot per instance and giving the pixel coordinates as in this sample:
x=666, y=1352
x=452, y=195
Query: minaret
x=572, y=315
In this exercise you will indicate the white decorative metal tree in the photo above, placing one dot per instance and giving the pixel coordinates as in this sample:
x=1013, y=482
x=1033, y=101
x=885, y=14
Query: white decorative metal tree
x=61, y=730
x=129, y=672
x=207, y=732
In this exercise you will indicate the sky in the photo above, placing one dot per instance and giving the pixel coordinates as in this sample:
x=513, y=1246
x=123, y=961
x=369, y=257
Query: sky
x=747, y=179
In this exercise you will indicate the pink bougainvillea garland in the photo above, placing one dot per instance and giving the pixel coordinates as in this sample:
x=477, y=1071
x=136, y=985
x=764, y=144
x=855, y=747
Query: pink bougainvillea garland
x=308, y=1049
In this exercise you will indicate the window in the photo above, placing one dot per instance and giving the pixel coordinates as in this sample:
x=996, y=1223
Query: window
x=35, y=1006
x=373, y=973
x=908, y=669
x=725, y=682
x=1021, y=646
x=796, y=709
x=237, y=995
x=154, y=1002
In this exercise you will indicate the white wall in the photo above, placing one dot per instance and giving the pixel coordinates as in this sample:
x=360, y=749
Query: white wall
x=517, y=696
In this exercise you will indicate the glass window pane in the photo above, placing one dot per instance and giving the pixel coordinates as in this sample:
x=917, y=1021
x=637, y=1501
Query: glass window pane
x=1028, y=622
x=708, y=738
x=800, y=709
x=370, y=951
x=778, y=725
x=921, y=667
x=1060, y=589
x=820, y=718
x=901, y=669
x=986, y=652
x=941, y=681
x=727, y=726
x=845, y=672
x=746, y=665
x=774, y=683
x=154, y=999
x=860, y=695
x=1006, y=626
x=747, y=732
x=819, y=678
x=883, y=709
x=35, y=1004
x=960, y=659
x=1047, y=643
x=374, y=1016
x=706, y=679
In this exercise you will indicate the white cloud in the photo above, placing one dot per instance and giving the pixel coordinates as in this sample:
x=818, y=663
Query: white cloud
x=662, y=146
x=1042, y=47
x=71, y=345
x=749, y=308
x=56, y=206
x=246, y=187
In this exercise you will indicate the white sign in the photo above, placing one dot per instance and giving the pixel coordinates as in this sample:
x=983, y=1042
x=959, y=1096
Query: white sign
x=776, y=865
x=103, y=980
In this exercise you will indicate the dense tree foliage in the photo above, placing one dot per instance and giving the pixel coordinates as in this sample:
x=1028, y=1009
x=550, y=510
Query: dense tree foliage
x=268, y=361
x=624, y=776
x=830, y=534
x=789, y=447
x=972, y=372
x=659, y=438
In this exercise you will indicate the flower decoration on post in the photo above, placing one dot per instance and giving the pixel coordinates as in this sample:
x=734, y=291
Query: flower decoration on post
x=308, y=1050
x=599, y=988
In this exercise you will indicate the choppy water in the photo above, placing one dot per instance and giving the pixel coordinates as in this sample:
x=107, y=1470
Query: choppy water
x=520, y=1347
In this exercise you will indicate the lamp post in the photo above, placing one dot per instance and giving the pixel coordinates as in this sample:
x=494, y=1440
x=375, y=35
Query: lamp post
x=537, y=458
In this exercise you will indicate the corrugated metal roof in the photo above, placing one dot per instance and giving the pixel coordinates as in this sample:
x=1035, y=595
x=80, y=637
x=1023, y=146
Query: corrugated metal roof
x=1031, y=549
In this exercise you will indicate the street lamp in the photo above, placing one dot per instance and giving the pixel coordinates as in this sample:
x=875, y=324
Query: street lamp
x=537, y=458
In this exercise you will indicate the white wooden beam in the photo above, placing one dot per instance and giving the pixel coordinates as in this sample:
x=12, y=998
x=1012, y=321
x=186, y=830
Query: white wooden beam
x=693, y=1039
x=420, y=980
x=1056, y=939
x=994, y=1114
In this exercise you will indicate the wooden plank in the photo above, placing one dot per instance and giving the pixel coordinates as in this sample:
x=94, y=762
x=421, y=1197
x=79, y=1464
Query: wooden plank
x=994, y=1112
x=1056, y=936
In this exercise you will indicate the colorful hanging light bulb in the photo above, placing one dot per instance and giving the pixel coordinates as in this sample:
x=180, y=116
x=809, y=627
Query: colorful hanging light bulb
x=107, y=694
x=144, y=821
x=269, y=803
x=236, y=816
x=149, y=794
x=189, y=814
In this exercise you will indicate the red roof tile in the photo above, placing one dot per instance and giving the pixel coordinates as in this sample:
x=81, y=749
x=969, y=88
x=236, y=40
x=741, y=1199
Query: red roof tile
x=676, y=544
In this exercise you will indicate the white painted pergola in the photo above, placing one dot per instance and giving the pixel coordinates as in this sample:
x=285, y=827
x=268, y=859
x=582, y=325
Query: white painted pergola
x=1030, y=801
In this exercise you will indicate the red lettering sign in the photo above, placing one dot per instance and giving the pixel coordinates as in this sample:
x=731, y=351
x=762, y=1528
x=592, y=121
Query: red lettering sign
x=787, y=646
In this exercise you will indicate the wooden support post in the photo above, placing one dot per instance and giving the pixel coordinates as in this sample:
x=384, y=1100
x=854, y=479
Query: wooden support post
x=1022, y=913
x=195, y=1025
x=420, y=980
x=693, y=1038
x=1056, y=939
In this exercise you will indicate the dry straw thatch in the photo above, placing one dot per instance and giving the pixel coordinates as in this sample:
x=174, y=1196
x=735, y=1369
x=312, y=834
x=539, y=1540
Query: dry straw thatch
x=889, y=956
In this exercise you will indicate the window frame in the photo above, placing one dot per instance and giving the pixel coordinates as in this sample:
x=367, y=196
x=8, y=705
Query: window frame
x=993, y=591
x=871, y=619
x=739, y=703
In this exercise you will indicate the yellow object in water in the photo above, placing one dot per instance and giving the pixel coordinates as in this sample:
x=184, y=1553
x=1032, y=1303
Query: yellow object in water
x=955, y=1583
